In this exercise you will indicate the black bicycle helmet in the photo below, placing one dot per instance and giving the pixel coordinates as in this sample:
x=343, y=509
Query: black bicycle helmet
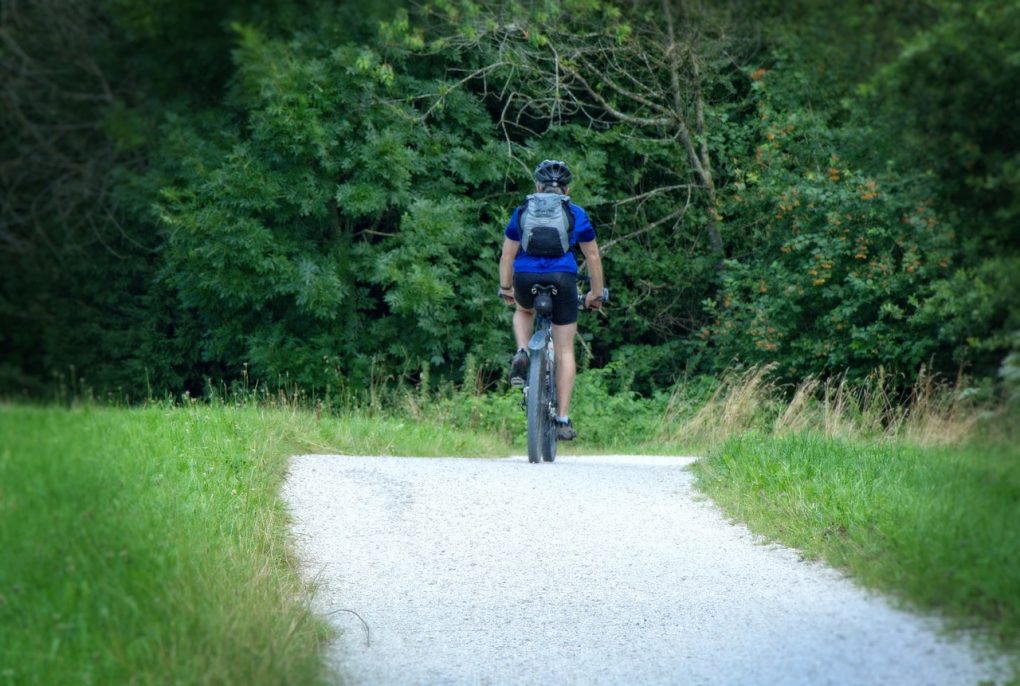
x=553, y=173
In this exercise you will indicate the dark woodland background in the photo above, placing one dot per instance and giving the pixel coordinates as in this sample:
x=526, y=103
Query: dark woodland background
x=314, y=193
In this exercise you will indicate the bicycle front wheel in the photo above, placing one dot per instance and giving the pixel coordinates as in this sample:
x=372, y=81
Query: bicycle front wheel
x=538, y=406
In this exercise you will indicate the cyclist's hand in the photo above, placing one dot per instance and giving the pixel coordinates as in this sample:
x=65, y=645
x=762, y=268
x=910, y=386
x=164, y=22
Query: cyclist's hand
x=507, y=294
x=592, y=301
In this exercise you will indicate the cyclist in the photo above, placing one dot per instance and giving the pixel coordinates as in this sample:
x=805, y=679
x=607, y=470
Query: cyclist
x=519, y=270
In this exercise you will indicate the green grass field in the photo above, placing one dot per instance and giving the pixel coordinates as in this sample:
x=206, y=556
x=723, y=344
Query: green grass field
x=938, y=526
x=150, y=546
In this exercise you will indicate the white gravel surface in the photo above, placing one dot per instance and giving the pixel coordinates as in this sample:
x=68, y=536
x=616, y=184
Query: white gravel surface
x=592, y=570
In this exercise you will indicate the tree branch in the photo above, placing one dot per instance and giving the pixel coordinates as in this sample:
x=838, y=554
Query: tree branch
x=617, y=114
x=674, y=215
x=604, y=78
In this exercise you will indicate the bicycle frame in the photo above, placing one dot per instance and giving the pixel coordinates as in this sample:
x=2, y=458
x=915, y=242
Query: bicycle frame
x=540, y=392
x=540, y=401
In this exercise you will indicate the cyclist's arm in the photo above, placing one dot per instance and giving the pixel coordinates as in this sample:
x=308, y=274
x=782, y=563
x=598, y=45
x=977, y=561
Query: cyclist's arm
x=590, y=250
x=506, y=262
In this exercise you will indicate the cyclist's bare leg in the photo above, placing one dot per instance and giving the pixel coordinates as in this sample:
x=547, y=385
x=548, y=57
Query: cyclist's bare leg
x=524, y=324
x=566, y=366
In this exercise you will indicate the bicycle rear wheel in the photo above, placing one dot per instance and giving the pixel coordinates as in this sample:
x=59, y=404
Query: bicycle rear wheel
x=549, y=436
x=538, y=406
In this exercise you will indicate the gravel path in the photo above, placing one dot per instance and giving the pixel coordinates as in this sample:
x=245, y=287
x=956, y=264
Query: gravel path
x=601, y=570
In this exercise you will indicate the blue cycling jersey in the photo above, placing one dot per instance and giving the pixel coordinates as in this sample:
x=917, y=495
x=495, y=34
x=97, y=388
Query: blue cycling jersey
x=583, y=232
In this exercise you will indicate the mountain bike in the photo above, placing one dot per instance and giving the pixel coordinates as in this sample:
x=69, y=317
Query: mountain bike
x=540, y=402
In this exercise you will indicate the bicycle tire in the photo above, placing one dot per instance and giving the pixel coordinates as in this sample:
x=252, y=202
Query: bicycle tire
x=549, y=435
x=538, y=412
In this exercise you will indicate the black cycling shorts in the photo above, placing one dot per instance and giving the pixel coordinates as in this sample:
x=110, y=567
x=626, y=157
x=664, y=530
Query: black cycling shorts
x=565, y=300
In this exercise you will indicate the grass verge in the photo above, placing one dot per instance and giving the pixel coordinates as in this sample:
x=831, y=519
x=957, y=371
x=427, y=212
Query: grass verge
x=939, y=526
x=150, y=545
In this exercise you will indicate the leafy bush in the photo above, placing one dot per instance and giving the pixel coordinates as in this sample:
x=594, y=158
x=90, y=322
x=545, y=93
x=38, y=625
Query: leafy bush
x=325, y=207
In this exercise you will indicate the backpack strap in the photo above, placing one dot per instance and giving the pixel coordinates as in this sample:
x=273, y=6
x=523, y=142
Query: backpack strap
x=520, y=215
x=570, y=219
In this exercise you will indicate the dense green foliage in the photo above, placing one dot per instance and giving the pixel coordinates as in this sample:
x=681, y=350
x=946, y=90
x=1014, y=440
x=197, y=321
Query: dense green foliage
x=303, y=193
x=938, y=526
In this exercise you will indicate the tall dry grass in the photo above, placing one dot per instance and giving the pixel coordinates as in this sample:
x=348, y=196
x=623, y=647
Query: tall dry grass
x=932, y=412
x=736, y=405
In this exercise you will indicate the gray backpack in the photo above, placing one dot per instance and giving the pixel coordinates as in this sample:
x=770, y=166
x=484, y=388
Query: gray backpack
x=546, y=224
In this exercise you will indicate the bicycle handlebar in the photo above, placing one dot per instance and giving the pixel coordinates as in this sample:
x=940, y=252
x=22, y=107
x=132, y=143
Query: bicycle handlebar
x=581, y=296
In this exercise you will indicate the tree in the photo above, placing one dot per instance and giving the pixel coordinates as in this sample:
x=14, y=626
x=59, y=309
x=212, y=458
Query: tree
x=658, y=73
x=329, y=237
